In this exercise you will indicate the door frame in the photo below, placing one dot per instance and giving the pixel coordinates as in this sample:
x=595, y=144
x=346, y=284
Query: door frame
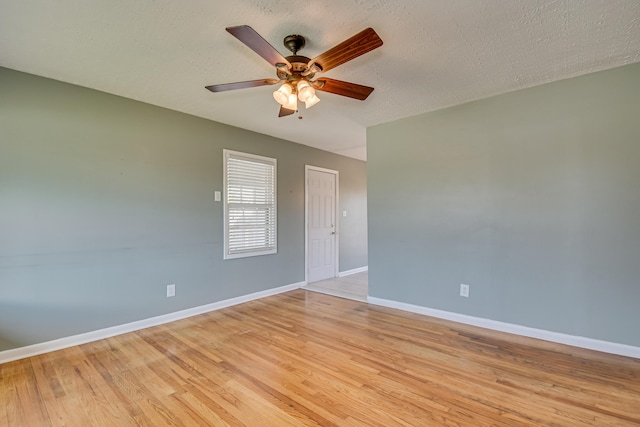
x=336, y=241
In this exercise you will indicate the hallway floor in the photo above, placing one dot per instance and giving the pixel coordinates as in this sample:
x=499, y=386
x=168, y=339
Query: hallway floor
x=353, y=286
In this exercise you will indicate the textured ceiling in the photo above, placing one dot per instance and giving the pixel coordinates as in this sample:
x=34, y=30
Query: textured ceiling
x=436, y=53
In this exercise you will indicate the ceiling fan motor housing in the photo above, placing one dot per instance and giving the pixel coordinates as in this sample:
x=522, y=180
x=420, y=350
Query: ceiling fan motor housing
x=298, y=66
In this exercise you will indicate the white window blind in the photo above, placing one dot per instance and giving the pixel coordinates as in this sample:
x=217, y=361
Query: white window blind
x=249, y=205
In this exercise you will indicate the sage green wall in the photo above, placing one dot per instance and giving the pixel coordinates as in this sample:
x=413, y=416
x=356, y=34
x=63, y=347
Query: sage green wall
x=104, y=201
x=532, y=198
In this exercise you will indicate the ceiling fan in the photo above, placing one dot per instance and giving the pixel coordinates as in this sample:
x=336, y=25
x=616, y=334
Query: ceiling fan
x=296, y=72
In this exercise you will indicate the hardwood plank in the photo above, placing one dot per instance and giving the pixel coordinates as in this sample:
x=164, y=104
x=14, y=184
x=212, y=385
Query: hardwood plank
x=308, y=359
x=20, y=396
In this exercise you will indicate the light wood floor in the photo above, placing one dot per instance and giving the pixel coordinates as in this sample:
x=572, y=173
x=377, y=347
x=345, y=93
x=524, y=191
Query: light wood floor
x=353, y=286
x=309, y=359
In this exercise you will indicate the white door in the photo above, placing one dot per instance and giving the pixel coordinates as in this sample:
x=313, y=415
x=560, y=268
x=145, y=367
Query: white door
x=321, y=191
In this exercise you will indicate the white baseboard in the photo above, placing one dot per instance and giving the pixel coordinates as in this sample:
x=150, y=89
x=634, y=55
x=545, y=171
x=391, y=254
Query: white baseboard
x=354, y=271
x=61, y=343
x=576, y=341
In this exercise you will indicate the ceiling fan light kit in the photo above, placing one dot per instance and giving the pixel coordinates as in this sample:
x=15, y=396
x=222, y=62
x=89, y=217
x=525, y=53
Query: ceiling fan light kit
x=311, y=102
x=292, y=103
x=288, y=95
x=296, y=72
x=305, y=90
x=282, y=95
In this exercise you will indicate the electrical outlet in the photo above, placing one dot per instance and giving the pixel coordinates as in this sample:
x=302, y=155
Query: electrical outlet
x=171, y=291
x=464, y=290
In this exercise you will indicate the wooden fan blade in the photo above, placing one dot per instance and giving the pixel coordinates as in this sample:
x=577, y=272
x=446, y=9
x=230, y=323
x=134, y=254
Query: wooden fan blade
x=255, y=42
x=241, y=85
x=285, y=112
x=339, y=87
x=363, y=42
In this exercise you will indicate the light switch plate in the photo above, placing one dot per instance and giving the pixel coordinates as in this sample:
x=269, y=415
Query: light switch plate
x=464, y=290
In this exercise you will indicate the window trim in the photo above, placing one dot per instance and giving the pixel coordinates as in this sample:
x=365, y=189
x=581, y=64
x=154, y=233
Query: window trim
x=266, y=250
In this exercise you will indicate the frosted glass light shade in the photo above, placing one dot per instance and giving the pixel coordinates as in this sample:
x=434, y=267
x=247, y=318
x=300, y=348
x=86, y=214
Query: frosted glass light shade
x=282, y=94
x=292, y=102
x=311, y=101
x=305, y=91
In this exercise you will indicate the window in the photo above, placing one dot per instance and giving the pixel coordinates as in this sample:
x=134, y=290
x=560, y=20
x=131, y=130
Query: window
x=250, y=215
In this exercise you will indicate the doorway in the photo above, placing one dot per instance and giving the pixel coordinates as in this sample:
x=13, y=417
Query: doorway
x=353, y=286
x=321, y=203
